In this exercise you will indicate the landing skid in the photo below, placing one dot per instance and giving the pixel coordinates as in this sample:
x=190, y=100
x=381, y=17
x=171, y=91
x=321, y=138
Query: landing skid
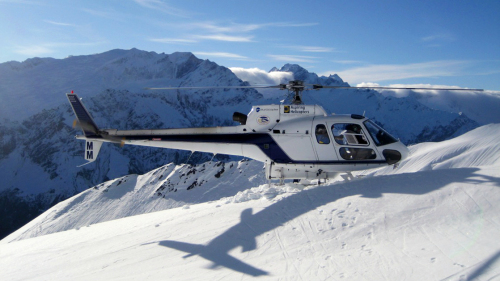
x=347, y=176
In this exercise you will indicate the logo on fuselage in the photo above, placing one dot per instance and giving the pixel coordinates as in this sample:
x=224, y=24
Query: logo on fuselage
x=257, y=109
x=295, y=109
x=263, y=120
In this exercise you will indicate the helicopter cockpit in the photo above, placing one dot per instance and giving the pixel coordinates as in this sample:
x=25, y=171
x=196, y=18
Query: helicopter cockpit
x=379, y=135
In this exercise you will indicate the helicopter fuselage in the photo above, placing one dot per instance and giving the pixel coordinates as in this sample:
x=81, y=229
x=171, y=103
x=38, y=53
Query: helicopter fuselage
x=294, y=141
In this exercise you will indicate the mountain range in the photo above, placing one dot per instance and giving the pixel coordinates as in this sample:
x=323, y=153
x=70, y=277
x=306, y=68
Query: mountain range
x=39, y=156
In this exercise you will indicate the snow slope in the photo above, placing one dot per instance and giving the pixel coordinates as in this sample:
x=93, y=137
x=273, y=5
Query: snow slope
x=479, y=147
x=163, y=188
x=436, y=217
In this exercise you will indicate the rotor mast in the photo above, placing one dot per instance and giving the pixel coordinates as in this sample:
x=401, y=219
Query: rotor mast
x=297, y=87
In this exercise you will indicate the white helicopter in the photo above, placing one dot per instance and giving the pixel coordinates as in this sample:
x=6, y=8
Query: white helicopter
x=294, y=141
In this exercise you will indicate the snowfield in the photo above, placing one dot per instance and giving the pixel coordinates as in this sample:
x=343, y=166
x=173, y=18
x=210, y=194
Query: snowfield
x=435, y=217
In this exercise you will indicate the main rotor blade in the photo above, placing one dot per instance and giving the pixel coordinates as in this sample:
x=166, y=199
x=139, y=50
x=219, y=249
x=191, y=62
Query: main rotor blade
x=212, y=87
x=316, y=87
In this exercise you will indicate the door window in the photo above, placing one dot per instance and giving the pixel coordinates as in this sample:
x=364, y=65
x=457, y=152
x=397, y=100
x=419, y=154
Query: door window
x=322, y=134
x=357, y=153
x=349, y=134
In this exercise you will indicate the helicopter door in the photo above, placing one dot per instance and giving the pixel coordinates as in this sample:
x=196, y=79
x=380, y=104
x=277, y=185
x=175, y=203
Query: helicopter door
x=352, y=143
x=323, y=143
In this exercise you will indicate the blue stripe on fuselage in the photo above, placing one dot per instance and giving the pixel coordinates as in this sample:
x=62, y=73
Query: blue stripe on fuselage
x=263, y=140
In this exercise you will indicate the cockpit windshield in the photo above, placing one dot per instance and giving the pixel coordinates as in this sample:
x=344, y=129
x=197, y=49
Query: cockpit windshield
x=379, y=135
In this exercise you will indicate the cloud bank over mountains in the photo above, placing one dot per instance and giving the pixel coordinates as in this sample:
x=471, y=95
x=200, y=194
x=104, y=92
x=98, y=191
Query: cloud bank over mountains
x=259, y=76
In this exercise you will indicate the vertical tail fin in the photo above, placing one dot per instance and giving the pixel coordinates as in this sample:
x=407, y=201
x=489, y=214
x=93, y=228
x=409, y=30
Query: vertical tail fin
x=92, y=150
x=85, y=121
x=89, y=128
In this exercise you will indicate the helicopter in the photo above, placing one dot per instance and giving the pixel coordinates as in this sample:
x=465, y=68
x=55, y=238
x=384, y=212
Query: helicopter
x=294, y=141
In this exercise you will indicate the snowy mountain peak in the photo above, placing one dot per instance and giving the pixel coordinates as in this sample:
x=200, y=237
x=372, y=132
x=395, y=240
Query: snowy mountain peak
x=28, y=87
x=181, y=57
x=293, y=68
x=298, y=71
x=337, y=78
x=26, y=64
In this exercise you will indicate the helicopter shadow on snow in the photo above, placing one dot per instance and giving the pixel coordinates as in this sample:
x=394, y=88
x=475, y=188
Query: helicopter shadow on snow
x=251, y=226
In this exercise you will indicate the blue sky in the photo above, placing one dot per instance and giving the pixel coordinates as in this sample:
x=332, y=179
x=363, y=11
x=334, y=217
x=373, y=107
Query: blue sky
x=455, y=43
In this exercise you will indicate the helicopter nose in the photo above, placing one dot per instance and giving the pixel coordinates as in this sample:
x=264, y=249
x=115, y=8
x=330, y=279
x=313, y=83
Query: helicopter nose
x=395, y=153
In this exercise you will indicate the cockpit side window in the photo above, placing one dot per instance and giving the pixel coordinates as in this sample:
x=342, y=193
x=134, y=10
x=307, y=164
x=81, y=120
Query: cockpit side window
x=322, y=134
x=379, y=135
x=348, y=134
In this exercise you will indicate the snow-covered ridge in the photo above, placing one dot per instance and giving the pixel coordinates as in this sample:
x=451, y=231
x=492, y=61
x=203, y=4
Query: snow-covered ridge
x=174, y=186
x=40, y=83
x=479, y=147
x=167, y=187
x=436, y=217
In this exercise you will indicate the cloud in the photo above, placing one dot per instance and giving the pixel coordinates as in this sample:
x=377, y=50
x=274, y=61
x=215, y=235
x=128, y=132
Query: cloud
x=221, y=55
x=368, y=84
x=158, y=5
x=197, y=38
x=384, y=72
x=289, y=24
x=34, y=51
x=48, y=48
x=22, y=2
x=312, y=49
x=231, y=32
x=347, y=61
x=403, y=92
x=227, y=38
x=59, y=23
x=439, y=37
x=107, y=14
x=231, y=28
x=238, y=28
x=430, y=86
x=259, y=76
x=291, y=58
x=173, y=40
